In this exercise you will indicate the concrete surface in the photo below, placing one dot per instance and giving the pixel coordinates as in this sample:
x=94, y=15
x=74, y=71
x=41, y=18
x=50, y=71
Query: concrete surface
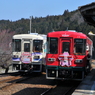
x=87, y=86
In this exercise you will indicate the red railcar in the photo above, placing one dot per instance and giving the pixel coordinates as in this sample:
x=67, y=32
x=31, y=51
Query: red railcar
x=66, y=56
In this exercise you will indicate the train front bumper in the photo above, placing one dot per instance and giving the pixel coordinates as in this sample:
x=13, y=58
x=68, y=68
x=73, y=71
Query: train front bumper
x=58, y=72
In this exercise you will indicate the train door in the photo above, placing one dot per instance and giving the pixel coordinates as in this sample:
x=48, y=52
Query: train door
x=26, y=51
x=66, y=45
x=66, y=50
x=26, y=45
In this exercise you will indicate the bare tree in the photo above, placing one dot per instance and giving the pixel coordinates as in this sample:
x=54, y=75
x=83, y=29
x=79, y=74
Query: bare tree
x=5, y=49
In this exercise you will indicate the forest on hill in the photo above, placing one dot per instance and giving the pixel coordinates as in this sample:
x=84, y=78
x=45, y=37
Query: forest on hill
x=71, y=20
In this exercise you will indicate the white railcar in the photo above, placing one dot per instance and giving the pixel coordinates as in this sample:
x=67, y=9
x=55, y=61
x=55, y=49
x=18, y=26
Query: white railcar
x=29, y=51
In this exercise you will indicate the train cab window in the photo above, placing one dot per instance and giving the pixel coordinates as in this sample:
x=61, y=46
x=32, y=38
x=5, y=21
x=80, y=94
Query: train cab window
x=16, y=44
x=52, y=46
x=26, y=47
x=79, y=46
x=37, y=45
x=66, y=47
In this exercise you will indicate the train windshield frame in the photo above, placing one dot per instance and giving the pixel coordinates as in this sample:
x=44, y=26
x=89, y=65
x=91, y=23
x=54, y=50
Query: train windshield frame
x=37, y=45
x=79, y=46
x=52, y=45
x=16, y=44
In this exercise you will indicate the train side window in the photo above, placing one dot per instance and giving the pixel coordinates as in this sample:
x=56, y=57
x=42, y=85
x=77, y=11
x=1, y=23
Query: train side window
x=80, y=47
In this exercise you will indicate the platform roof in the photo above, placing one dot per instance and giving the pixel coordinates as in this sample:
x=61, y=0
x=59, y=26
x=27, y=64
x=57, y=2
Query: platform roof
x=88, y=13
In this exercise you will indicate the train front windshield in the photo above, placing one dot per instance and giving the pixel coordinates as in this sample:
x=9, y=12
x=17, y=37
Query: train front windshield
x=52, y=44
x=16, y=44
x=80, y=46
x=37, y=45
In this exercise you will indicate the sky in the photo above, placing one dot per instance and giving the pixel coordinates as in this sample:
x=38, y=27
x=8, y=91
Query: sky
x=14, y=10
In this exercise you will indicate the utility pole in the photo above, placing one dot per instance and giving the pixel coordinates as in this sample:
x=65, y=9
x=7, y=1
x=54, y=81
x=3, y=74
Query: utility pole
x=35, y=30
x=30, y=23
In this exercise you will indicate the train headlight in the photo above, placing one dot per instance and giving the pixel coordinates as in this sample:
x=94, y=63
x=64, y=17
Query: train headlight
x=51, y=59
x=78, y=61
x=36, y=57
x=15, y=56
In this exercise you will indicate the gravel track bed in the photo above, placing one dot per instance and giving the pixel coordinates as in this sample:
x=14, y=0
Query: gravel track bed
x=32, y=86
x=9, y=80
x=36, y=85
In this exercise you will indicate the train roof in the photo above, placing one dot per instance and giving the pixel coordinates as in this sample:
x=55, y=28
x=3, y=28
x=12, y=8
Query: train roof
x=27, y=36
x=67, y=34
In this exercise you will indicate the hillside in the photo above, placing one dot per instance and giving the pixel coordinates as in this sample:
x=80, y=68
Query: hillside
x=71, y=20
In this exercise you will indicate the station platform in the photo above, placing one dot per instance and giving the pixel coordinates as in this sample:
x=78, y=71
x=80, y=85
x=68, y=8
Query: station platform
x=87, y=86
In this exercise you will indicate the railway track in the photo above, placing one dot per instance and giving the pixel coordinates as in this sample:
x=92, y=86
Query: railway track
x=33, y=85
x=45, y=92
x=62, y=88
x=8, y=80
x=70, y=90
